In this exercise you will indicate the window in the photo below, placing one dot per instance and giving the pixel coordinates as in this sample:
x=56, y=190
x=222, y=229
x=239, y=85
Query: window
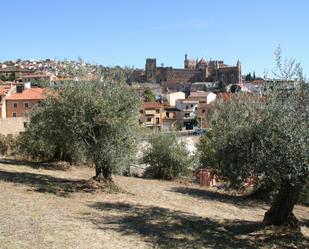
x=157, y=121
x=195, y=108
x=191, y=105
x=26, y=105
x=14, y=115
x=167, y=114
x=148, y=119
x=187, y=107
x=203, y=111
x=187, y=115
x=15, y=105
x=157, y=110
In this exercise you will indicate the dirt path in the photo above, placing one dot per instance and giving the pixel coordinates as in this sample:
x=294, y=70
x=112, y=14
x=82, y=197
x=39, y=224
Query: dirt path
x=44, y=209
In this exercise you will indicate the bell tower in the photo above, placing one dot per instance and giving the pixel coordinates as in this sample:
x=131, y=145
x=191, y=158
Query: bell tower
x=239, y=72
x=151, y=69
x=186, y=62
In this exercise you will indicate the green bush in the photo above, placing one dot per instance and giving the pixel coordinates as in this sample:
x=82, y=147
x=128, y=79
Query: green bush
x=3, y=145
x=48, y=145
x=167, y=157
x=8, y=144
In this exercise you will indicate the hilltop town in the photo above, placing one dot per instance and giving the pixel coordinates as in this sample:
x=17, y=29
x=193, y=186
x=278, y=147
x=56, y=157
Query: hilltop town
x=175, y=99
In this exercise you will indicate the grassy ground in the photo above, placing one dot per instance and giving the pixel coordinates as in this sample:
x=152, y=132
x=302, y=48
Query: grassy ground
x=42, y=208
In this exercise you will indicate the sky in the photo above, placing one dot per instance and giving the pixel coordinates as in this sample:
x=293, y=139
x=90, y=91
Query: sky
x=126, y=32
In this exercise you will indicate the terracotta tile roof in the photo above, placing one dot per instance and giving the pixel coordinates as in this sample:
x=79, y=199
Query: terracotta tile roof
x=152, y=105
x=30, y=94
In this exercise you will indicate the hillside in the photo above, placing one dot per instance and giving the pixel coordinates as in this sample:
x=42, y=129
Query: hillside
x=43, y=208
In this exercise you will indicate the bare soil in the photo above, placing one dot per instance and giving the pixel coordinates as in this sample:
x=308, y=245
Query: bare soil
x=44, y=208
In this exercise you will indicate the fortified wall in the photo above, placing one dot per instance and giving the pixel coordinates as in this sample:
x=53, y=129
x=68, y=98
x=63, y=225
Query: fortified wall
x=193, y=71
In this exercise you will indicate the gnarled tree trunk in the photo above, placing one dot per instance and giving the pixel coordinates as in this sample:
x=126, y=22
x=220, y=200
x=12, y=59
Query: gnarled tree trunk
x=102, y=172
x=281, y=211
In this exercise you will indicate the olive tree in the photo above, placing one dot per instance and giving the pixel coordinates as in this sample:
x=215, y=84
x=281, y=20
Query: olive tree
x=267, y=137
x=166, y=156
x=100, y=115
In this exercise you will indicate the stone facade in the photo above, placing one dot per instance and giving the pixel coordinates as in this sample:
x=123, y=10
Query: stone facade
x=193, y=71
x=18, y=108
x=19, y=103
x=152, y=114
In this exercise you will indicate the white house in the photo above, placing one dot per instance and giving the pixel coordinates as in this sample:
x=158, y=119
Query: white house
x=200, y=95
x=188, y=112
x=172, y=97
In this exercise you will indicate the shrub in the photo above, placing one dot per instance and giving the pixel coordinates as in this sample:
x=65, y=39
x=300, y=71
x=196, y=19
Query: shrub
x=3, y=145
x=167, y=157
x=8, y=144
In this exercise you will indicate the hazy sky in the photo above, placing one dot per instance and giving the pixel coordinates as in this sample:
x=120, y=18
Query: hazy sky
x=127, y=32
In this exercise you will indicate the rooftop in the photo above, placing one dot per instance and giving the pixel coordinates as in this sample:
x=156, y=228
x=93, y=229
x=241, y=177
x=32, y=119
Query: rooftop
x=199, y=94
x=188, y=101
x=152, y=105
x=29, y=94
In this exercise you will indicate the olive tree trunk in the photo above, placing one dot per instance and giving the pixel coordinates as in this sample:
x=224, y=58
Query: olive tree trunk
x=281, y=211
x=102, y=172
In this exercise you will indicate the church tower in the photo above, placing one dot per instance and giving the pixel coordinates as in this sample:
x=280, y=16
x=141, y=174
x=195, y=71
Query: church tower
x=186, y=62
x=239, y=72
x=151, y=69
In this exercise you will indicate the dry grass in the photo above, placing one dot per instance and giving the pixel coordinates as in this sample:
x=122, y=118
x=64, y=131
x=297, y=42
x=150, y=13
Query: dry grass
x=43, y=208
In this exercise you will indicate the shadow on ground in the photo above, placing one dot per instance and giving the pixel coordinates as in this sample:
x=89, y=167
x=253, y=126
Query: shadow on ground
x=44, y=183
x=205, y=194
x=34, y=165
x=164, y=228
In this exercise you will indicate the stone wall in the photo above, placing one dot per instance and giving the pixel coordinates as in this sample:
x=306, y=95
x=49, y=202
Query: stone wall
x=229, y=75
x=12, y=125
x=184, y=75
x=201, y=72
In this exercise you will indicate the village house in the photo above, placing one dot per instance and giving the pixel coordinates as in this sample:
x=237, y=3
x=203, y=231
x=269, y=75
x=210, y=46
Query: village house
x=170, y=121
x=152, y=115
x=19, y=103
x=188, y=113
x=13, y=72
x=203, y=86
x=202, y=96
x=204, y=99
x=36, y=79
x=172, y=97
